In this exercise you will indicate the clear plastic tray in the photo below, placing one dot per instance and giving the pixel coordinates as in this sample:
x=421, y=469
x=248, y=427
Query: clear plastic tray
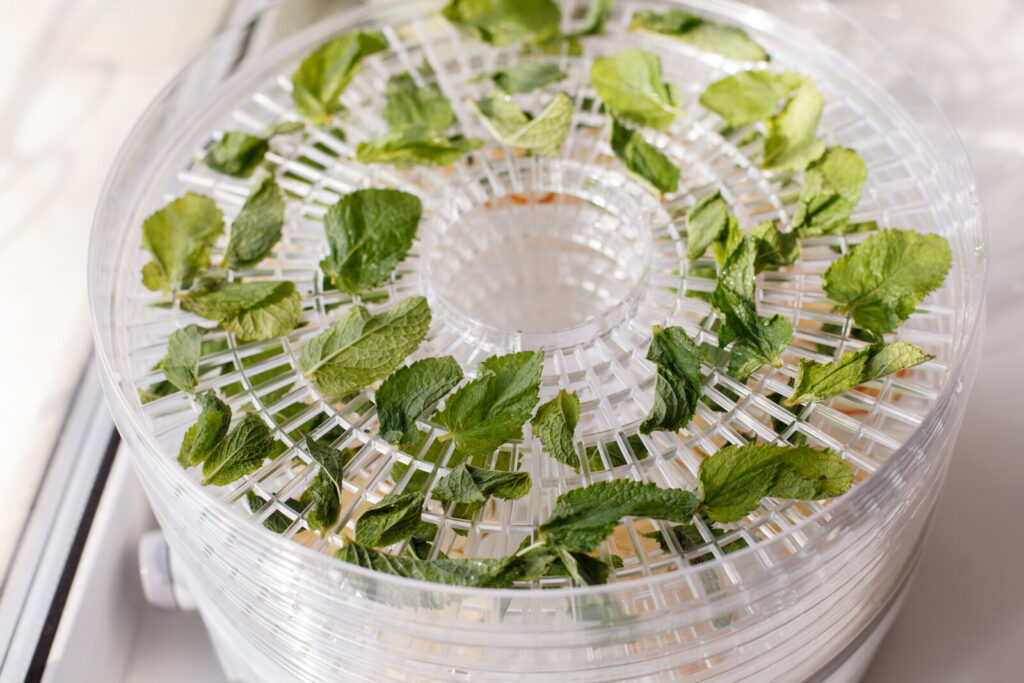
x=583, y=262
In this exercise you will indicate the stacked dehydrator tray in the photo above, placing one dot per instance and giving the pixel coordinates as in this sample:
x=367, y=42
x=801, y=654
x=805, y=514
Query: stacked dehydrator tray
x=570, y=254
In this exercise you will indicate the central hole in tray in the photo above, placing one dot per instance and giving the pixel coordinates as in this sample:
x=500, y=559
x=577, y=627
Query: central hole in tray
x=552, y=266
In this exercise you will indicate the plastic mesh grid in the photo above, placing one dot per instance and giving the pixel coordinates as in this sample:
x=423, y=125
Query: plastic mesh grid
x=606, y=368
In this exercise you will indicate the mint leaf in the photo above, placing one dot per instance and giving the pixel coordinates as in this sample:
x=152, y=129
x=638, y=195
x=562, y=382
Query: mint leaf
x=883, y=279
x=409, y=105
x=706, y=222
x=331, y=461
x=409, y=391
x=362, y=348
x=495, y=573
x=677, y=389
x=596, y=16
x=203, y=437
x=368, y=233
x=749, y=96
x=792, y=141
x=688, y=537
x=277, y=522
x=492, y=409
x=501, y=22
x=830, y=192
x=773, y=336
x=252, y=311
x=179, y=237
x=525, y=76
x=555, y=423
x=759, y=340
x=416, y=146
x=584, y=569
x=237, y=154
x=774, y=248
x=392, y=519
x=630, y=85
x=181, y=364
x=701, y=33
x=616, y=458
x=326, y=505
x=325, y=73
x=584, y=517
x=242, y=451
x=258, y=226
x=470, y=487
x=732, y=482
x=642, y=160
x=326, y=489
x=511, y=125
x=821, y=381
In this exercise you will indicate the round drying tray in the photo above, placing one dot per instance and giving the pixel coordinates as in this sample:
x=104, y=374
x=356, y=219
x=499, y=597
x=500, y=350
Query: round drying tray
x=571, y=255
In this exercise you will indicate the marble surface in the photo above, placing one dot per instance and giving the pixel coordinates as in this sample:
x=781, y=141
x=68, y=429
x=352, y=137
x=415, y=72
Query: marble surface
x=76, y=75
x=78, y=72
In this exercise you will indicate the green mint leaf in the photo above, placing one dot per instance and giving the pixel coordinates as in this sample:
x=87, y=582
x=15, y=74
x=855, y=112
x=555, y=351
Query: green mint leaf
x=688, y=537
x=555, y=423
x=331, y=461
x=821, y=381
x=616, y=458
x=284, y=128
x=584, y=517
x=732, y=482
x=774, y=248
x=749, y=96
x=203, y=437
x=237, y=154
x=242, y=451
x=326, y=505
x=677, y=388
x=179, y=237
x=492, y=409
x=325, y=73
x=643, y=160
x=326, y=489
x=501, y=22
x=830, y=191
x=470, y=487
x=409, y=391
x=368, y=233
x=394, y=518
x=409, y=105
x=727, y=241
x=773, y=336
x=495, y=573
x=362, y=348
x=181, y=364
x=792, y=141
x=277, y=522
x=630, y=85
x=584, y=569
x=706, y=222
x=258, y=226
x=701, y=33
x=525, y=76
x=252, y=311
x=596, y=16
x=511, y=125
x=883, y=279
x=417, y=146
x=760, y=340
